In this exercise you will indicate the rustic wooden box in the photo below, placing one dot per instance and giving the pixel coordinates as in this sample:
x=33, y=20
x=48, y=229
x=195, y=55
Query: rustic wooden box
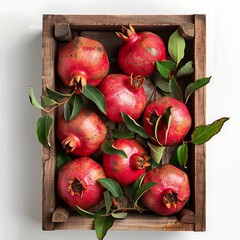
x=59, y=28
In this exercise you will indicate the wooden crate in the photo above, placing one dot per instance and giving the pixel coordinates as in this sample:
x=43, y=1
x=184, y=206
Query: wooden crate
x=60, y=28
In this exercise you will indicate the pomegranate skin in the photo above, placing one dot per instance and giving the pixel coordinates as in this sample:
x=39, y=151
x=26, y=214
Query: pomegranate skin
x=83, y=135
x=121, y=95
x=82, y=61
x=180, y=123
x=170, y=179
x=126, y=170
x=139, y=51
x=90, y=190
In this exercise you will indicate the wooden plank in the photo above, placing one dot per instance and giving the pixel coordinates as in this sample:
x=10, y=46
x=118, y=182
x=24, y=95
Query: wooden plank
x=199, y=119
x=48, y=154
x=105, y=22
x=61, y=214
x=134, y=221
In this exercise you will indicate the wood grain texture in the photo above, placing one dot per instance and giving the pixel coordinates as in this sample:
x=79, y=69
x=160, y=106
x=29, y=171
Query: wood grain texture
x=186, y=30
x=48, y=154
x=61, y=214
x=199, y=151
x=186, y=216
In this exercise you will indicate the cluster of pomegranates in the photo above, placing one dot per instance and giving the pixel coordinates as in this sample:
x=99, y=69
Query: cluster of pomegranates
x=84, y=62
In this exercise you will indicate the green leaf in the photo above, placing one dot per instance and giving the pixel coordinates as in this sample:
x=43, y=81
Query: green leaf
x=144, y=188
x=163, y=85
x=137, y=185
x=167, y=118
x=176, y=47
x=175, y=89
x=174, y=160
x=118, y=134
x=119, y=215
x=156, y=128
x=165, y=67
x=182, y=154
x=47, y=102
x=85, y=213
x=33, y=99
x=102, y=225
x=62, y=158
x=96, y=96
x=44, y=124
x=204, y=133
x=113, y=187
x=56, y=95
x=66, y=111
x=156, y=152
x=109, y=148
x=192, y=87
x=133, y=126
x=108, y=201
x=186, y=69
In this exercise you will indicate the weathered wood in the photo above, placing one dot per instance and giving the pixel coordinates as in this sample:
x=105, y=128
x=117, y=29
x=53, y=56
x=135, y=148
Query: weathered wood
x=60, y=214
x=199, y=151
x=186, y=216
x=186, y=30
x=48, y=154
x=62, y=32
x=134, y=221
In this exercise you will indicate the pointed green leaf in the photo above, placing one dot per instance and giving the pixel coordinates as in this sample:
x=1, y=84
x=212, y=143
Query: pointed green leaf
x=186, y=69
x=182, y=154
x=122, y=135
x=119, y=215
x=144, y=188
x=76, y=103
x=53, y=94
x=174, y=160
x=175, y=89
x=133, y=126
x=155, y=134
x=67, y=111
x=102, y=225
x=62, y=158
x=165, y=67
x=167, y=118
x=33, y=99
x=85, y=213
x=204, y=133
x=44, y=124
x=96, y=96
x=156, y=152
x=192, y=87
x=137, y=185
x=108, y=201
x=163, y=85
x=47, y=102
x=109, y=148
x=176, y=47
x=113, y=187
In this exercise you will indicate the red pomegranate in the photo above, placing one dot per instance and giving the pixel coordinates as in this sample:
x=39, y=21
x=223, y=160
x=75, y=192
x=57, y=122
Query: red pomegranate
x=78, y=185
x=82, y=61
x=123, y=94
x=126, y=170
x=139, y=51
x=83, y=135
x=172, y=192
x=180, y=123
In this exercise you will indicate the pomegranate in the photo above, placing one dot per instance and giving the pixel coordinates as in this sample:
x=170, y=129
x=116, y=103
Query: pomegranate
x=83, y=135
x=123, y=94
x=172, y=192
x=126, y=170
x=77, y=185
x=139, y=51
x=82, y=61
x=179, y=126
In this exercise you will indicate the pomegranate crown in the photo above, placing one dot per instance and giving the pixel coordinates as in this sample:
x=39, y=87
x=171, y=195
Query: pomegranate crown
x=126, y=33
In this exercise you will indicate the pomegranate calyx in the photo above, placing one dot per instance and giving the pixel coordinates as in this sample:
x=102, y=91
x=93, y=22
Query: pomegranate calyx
x=69, y=144
x=170, y=199
x=141, y=162
x=152, y=118
x=127, y=33
x=79, y=82
x=76, y=187
x=136, y=82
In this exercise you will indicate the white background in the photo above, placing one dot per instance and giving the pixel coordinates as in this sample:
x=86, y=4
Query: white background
x=20, y=66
